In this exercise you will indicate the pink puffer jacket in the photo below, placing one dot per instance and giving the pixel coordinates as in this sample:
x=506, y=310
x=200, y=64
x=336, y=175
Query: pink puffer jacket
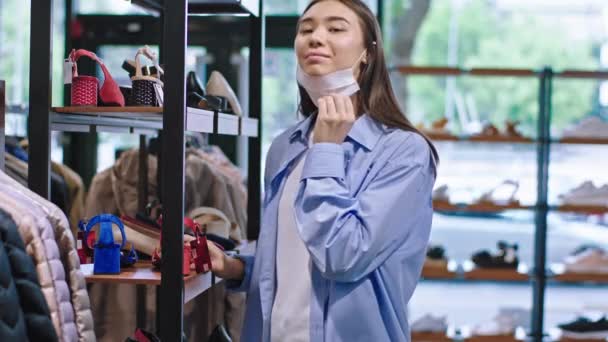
x=39, y=239
x=69, y=258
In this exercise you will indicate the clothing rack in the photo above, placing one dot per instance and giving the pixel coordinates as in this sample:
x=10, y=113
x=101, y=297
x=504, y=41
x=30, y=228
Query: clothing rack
x=539, y=274
x=170, y=122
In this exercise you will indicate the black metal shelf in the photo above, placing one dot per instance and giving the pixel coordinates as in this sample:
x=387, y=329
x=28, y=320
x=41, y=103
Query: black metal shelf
x=239, y=7
x=174, y=119
x=147, y=121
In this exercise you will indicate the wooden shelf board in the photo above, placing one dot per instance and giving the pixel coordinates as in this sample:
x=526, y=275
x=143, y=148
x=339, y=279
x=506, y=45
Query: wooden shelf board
x=430, y=337
x=471, y=272
x=583, y=209
x=560, y=274
x=440, y=136
x=583, y=141
x=500, y=139
x=447, y=136
x=491, y=338
x=143, y=273
x=439, y=271
x=478, y=207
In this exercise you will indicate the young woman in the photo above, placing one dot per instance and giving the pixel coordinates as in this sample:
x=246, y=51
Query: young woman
x=347, y=206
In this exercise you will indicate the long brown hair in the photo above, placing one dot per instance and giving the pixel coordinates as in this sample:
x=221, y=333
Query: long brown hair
x=376, y=97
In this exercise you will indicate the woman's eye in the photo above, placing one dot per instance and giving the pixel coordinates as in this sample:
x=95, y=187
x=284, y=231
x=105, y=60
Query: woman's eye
x=305, y=31
x=335, y=29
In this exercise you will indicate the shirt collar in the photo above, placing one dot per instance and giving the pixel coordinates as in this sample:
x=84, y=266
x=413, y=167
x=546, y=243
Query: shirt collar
x=365, y=131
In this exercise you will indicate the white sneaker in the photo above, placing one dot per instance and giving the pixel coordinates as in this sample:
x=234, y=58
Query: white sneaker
x=592, y=260
x=586, y=194
x=501, y=325
x=441, y=194
x=590, y=127
x=430, y=323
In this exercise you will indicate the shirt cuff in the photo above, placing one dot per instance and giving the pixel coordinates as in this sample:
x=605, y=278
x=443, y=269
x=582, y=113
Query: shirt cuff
x=242, y=285
x=324, y=160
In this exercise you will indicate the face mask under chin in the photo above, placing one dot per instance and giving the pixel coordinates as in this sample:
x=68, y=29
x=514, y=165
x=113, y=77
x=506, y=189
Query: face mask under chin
x=342, y=82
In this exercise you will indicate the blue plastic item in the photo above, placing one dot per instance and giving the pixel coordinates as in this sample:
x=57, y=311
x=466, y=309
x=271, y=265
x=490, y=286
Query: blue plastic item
x=106, y=258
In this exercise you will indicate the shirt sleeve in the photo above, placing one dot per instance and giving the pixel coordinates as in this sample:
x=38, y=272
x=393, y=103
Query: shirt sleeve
x=350, y=236
x=242, y=285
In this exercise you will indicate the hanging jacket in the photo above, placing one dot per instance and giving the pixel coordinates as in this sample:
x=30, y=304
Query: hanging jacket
x=35, y=249
x=12, y=322
x=38, y=324
x=69, y=258
x=33, y=219
x=75, y=208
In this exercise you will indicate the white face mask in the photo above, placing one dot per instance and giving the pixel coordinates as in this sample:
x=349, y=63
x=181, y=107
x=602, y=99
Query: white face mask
x=340, y=82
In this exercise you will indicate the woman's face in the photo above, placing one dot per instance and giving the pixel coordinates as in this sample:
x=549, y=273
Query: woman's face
x=329, y=38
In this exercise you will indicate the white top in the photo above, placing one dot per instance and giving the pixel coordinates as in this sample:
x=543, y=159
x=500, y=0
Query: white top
x=290, y=317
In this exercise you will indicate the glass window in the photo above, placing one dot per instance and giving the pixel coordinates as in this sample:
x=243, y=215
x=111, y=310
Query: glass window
x=280, y=93
x=15, y=50
x=504, y=33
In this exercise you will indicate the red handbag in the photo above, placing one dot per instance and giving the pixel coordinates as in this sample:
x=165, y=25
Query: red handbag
x=84, y=88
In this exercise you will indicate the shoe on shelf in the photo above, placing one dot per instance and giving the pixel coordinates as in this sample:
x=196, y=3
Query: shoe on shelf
x=441, y=193
x=511, y=129
x=218, y=86
x=502, y=194
x=502, y=324
x=586, y=194
x=435, y=256
x=194, y=84
x=488, y=130
x=589, y=260
x=440, y=125
x=589, y=127
x=208, y=102
x=584, y=328
x=505, y=258
x=430, y=323
x=128, y=65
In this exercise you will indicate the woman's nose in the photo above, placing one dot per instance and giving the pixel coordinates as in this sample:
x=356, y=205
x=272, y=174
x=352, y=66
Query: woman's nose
x=316, y=38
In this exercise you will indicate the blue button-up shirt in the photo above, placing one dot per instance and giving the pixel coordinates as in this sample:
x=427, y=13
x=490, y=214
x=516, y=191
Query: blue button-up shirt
x=364, y=212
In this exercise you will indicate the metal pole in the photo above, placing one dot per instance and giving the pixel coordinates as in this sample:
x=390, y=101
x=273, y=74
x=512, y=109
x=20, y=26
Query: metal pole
x=39, y=133
x=175, y=22
x=540, y=238
x=256, y=61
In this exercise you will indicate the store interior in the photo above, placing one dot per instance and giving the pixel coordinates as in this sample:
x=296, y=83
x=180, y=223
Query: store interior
x=94, y=119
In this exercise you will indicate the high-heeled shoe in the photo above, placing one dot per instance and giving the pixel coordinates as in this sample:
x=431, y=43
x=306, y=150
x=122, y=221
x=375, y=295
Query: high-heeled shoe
x=129, y=66
x=194, y=84
x=218, y=86
x=209, y=102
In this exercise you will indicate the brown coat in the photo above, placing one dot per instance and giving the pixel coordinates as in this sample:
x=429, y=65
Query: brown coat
x=114, y=191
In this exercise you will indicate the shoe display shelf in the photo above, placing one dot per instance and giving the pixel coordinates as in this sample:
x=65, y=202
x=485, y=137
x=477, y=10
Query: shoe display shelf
x=558, y=272
x=467, y=335
x=147, y=120
x=435, y=136
x=431, y=337
x=582, y=209
x=472, y=272
x=171, y=123
x=582, y=141
x=440, y=270
x=144, y=273
x=481, y=207
x=535, y=273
